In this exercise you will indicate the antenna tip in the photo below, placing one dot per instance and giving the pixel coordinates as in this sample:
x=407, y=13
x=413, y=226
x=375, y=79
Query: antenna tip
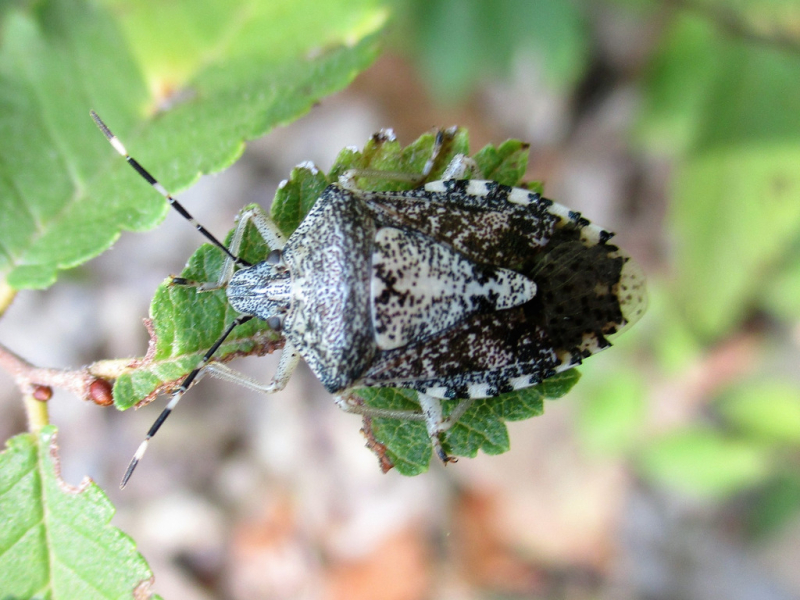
x=132, y=465
x=98, y=121
x=107, y=132
x=128, y=473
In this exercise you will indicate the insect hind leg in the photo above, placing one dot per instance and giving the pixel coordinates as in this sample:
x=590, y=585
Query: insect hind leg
x=461, y=167
x=437, y=424
x=430, y=413
x=442, y=138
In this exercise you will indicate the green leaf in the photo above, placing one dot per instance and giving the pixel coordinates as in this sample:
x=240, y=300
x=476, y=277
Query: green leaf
x=186, y=323
x=677, y=85
x=710, y=70
x=736, y=211
x=775, y=506
x=702, y=462
x=731, y=108
x=482, y=428
x=296, y=196
x=462, y=42
x=55, y=540
x=384, y=153
x=183, y=86
x=408, y=447
x=765, y=410
x=174, y=41
x=781, y=295
x=673, y=341
x=505, y=164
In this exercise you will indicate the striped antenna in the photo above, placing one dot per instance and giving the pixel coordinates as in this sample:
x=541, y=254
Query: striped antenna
x=176, y=397
x=161, y=189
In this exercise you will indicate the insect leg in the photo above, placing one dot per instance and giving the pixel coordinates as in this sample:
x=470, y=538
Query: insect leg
x=286, y=366
x=455, y=415
x=348, y=178
x=431, y=414
x=344, y=402
x=442, y=136
x=461, y=167
x=266, y=228
x=436, y=424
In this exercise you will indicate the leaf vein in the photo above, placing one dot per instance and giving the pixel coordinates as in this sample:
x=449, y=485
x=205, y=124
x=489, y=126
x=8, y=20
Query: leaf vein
x=21, y=536
x=48, y=541
x=57, y=142
x=25, y=207
x=69, y=568
x=20, y=478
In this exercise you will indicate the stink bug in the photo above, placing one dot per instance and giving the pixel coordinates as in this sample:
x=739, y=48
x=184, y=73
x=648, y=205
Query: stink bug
x=457, y=289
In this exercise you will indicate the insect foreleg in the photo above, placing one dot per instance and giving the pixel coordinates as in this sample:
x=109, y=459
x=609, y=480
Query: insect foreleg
x=266, y=228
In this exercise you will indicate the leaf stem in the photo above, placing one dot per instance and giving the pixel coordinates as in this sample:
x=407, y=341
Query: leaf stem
x=36, y=411
x=111, y=368
x=7, y=294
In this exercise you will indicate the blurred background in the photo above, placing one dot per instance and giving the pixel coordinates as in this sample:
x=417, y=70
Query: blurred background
x=672, y=470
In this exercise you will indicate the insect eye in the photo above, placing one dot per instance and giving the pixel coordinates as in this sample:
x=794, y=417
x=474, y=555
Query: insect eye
x=275, y=323
x=275, y=257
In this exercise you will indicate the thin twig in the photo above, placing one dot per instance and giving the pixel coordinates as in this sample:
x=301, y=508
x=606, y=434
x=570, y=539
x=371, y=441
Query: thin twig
x=78, y=381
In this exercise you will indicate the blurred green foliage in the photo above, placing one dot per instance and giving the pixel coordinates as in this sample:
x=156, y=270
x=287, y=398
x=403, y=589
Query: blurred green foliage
x=722, y=99
x=461, y=44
